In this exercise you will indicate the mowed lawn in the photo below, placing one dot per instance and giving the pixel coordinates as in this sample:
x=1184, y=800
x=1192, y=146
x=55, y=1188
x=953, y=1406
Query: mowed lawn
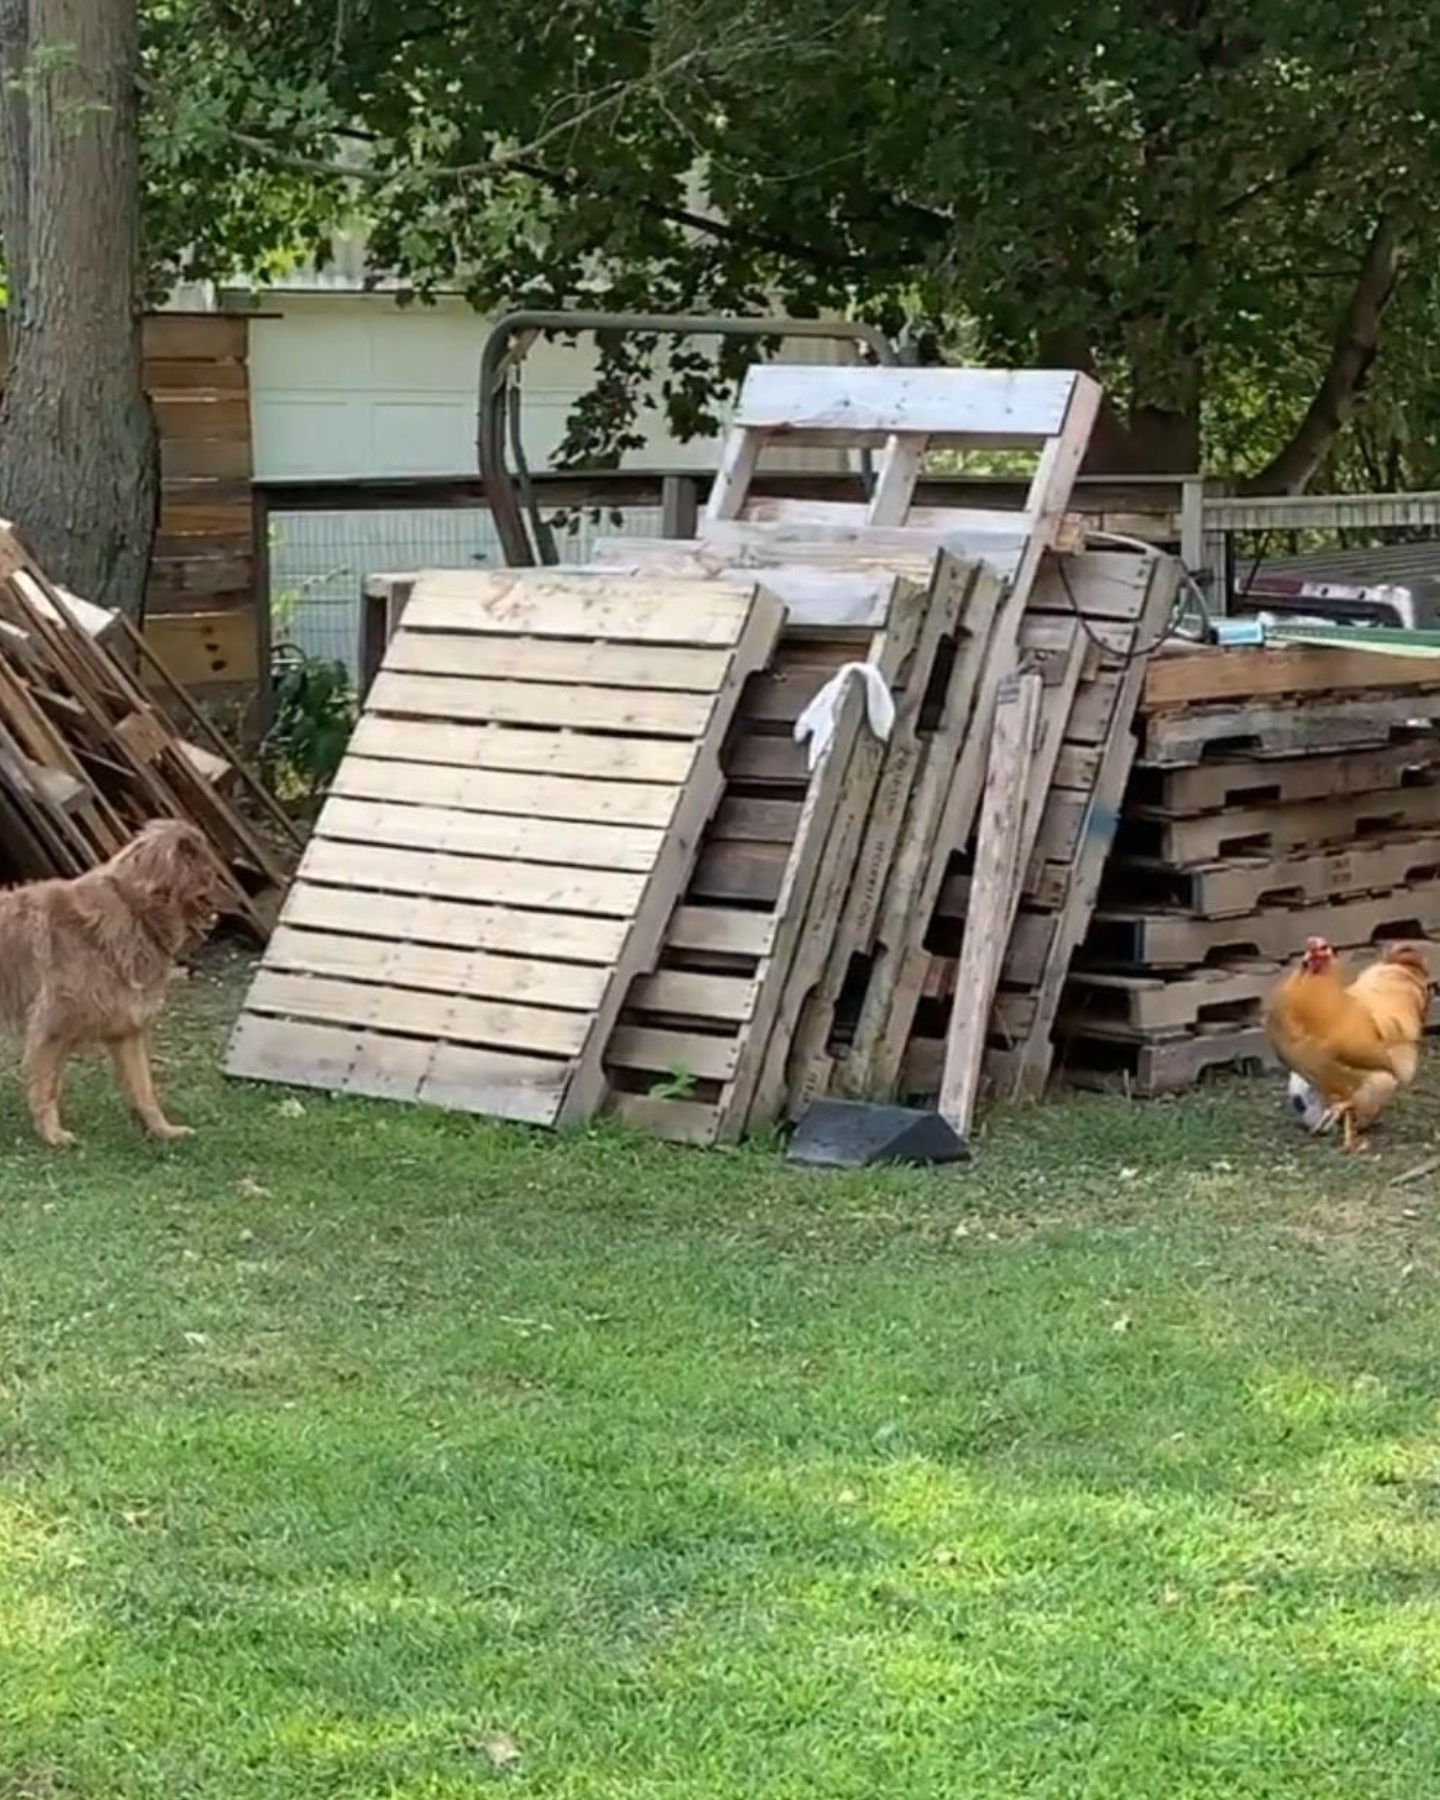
x=357, y=1451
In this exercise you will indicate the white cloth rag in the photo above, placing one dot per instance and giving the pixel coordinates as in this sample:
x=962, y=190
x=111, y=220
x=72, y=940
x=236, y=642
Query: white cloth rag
x=817, y=722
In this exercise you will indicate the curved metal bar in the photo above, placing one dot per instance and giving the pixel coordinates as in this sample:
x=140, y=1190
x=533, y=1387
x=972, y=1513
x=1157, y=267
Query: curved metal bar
x=511, y=339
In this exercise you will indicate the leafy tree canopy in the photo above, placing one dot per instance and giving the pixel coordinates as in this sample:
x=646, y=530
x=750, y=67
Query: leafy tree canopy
x=1220, y=208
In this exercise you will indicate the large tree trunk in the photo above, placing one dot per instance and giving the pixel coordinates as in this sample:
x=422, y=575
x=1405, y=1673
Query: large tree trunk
x=79, y=462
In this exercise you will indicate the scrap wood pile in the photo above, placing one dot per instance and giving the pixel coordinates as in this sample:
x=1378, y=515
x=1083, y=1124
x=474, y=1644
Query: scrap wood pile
x=86, y=756
x=1280, y=794
x=643, y=836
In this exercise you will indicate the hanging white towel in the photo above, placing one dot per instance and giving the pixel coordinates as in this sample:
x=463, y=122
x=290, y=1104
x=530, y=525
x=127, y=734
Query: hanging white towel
x=817, y=722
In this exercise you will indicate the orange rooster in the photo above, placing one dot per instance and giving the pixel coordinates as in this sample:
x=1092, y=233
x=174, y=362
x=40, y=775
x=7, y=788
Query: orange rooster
x=1356, y=1042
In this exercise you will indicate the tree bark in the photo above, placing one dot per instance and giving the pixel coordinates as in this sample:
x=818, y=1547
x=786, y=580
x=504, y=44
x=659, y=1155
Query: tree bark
x=79, y=459
x=1357, y=341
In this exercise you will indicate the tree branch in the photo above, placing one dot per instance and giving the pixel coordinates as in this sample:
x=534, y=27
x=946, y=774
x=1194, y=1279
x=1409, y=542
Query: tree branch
x=1356, y=344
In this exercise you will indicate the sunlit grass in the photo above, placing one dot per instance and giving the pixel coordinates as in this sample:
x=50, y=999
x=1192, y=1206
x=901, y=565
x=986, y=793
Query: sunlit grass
x=357, y=1451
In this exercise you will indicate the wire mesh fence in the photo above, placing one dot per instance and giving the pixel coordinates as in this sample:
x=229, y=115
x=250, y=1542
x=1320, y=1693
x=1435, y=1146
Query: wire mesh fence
x=319, y=561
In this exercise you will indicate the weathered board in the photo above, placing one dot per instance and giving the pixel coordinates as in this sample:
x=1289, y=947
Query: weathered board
x=505, y=842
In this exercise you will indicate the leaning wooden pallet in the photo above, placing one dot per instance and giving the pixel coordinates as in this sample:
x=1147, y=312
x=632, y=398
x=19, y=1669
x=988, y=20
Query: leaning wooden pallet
x=505, y=841
x=909, y=784
x=717, y=1026
x=908, y=414
x=1122, y=603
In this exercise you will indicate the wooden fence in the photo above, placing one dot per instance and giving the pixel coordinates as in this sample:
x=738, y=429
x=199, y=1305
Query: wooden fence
x=202, y=611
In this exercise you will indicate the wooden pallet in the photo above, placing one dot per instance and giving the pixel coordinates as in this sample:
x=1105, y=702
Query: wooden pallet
x=1281, y=728
x=1174, y=940
x=1148, y=1006
x=906, y=414
x=1232, y=889
x=86, y=755
x=1189, y=675
x=1125, y=602
x=696, y=1054
x=1152, y=836
x=1156, y=1066
x=519, y=809
x=1243, y=784
x=911, y=794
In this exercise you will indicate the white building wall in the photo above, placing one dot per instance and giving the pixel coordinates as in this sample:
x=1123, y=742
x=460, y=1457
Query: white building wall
x=351, y=385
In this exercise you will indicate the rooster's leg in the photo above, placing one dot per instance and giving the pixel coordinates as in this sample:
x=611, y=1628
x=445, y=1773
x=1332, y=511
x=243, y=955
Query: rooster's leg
x=1353, y=1140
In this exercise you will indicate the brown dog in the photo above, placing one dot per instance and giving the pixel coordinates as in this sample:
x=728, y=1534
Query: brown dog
x=88, y=961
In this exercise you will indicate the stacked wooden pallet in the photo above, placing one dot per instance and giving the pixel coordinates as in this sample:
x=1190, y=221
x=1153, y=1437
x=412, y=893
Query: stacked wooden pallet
x=501, y=852
x=1280, y=794
x=87, y=756
x=863, y=872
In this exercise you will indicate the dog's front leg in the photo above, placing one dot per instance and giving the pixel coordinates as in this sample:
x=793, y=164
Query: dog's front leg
x=44, y=1077
x=131, y=1056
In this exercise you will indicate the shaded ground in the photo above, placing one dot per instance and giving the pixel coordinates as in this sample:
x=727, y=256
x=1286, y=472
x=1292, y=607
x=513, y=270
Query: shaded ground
x=356, y=1451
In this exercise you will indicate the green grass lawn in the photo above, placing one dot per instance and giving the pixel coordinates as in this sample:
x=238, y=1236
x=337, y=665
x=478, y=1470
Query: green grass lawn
x=352, y=1451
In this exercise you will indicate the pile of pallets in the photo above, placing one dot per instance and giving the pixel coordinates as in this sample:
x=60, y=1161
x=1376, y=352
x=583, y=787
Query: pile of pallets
x=708, y=944
x=87, y=756
x=1280, y=794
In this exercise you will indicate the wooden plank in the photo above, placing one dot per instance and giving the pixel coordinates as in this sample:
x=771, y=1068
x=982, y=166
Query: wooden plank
x=681, y=1121
x=751, y=873
x=200, y=648
x=524, y=1089
x=630, y=848
x=999, y=549
x=221, y=509
x=169, y=375
x=599, y=606
x=298, y=1055
x=681, y=992
x=660, y=1052
x=995, y=894
x=183, y=460
x=738, y=458
x=203, y=337
x=421, y=919
x=416, y=1012
x=1186, y=677
x=1010, y=406
x=528, y=886
x=193, y=576
x=536, y=703
x=193, y=417
x=397, y=963
x=558, y=753
x=720, y=930
x=536, y=797
x=921, y=524
x=343, y=1060
x=763, y=821
x=604, y=665
x=895, y=482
